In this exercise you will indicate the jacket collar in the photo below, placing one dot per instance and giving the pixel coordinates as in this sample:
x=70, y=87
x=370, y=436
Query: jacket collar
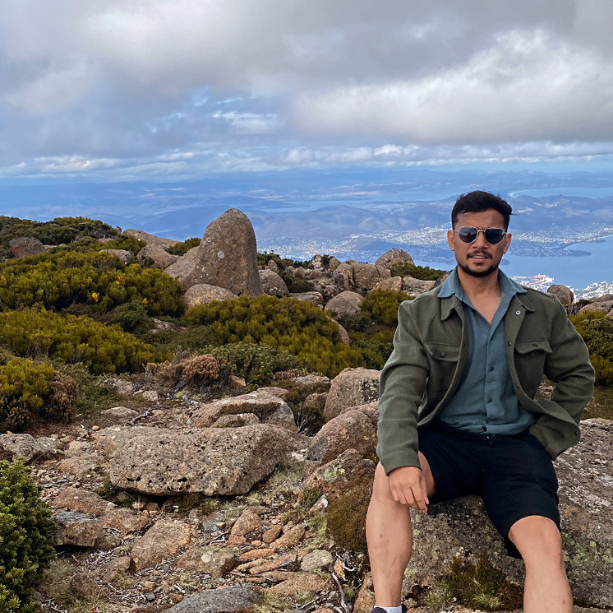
x=450, y=301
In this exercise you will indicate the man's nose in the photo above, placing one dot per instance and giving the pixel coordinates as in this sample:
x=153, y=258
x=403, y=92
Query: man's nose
x=480, y=240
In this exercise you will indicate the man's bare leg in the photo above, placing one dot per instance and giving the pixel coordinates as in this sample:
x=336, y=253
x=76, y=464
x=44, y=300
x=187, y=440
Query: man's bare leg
x=539, y=542
x=389, y=536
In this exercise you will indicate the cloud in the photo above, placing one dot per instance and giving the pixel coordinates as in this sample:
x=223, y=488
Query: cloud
x=271, y=83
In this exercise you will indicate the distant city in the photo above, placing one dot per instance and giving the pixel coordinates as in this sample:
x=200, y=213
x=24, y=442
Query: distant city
x=542, y=282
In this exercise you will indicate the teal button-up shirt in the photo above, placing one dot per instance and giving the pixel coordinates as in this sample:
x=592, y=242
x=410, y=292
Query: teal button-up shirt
x=486, y=402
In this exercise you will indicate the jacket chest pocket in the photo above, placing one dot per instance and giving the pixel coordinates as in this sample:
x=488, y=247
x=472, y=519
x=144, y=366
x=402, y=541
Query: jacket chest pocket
x=443, y=361
x=530, y=359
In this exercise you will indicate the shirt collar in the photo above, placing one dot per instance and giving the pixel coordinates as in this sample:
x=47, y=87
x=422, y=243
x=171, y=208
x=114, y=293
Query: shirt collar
x=452, y=286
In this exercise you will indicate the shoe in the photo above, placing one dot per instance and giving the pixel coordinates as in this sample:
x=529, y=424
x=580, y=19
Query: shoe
x=380, y=610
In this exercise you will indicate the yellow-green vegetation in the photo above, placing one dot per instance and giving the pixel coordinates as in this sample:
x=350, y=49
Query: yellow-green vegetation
x=346, y=518
x=296, y=326
x=60, y=231
x=476, y=586
x=26, y=537
x=184, y=247
x=28, y=388
x=383, y=305
x=71, y=339
x=59, y=280
x=597, y=332
x=425, y=273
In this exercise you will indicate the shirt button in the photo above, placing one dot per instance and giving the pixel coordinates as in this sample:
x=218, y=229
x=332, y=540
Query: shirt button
x=491, y=368
x=509, y=343
x=489, y=400
x=484, y=428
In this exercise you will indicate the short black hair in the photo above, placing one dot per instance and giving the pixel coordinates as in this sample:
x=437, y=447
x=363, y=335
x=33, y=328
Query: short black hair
x=477, y=201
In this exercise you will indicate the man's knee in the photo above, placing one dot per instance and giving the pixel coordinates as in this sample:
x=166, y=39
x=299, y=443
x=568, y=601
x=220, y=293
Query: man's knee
x=537, y=539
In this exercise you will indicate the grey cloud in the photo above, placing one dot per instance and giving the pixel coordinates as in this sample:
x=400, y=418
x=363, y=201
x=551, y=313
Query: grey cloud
x=111, y=79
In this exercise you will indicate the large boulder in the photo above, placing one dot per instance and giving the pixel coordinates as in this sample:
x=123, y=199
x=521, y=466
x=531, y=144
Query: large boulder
x=24, y=246
x=393, y=283
x=350, y=388
x=226, y=257
x=160, y=257
x=394, y=256
x=212, y=461
x=202, y=293
x=30, y=449
x=340, y=475
x=562, y=293
x=314, y=297
x=123, y=254
x=151, y=239
x=263, y=402
x=345, y=304
x=272, y=283
x=603, y=306
x=461, y=528
x=163, y=540
x=367, y=276
x=354, y=428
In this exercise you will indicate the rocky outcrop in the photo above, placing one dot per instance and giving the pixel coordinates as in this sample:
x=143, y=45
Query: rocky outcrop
x=354, y=428
x=393, y=283
x=363, y=276
x=157, y=254
x=203, y=293
x=25, y=246
x=28, y=448
x=394, y=256
x=123, y=254
x=151, y=239
x=215, y=462
x=414, y=287
x=264, y=403
x=226, y=257
x=562, y=293
x=272, y=283
x=314, y=297
x=601, y=306
x=350, y=388
x=345, y=304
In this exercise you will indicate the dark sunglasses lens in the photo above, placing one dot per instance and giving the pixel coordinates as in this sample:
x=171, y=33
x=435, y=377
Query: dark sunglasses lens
x=468, y=234
x=493, y=235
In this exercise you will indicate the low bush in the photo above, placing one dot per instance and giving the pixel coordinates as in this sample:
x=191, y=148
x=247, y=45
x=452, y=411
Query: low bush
x=194, y=371
x=27, y=535
x=182, y=248
x=296, y=326
x=100, y=348
x=28, y=389
x=597, y=331
x=346, y=518
x=132, y=317
x=59, y=280
x=425, y=273
x=383, y=305
x=254, y=363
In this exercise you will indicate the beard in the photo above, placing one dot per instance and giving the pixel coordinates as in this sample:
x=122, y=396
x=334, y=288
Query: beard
x=479, y=273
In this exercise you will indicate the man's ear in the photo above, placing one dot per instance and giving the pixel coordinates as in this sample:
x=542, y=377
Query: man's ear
x=507, y=240
x=450, y=240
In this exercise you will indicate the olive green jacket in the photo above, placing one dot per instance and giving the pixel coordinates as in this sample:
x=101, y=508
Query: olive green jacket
x=430, y=353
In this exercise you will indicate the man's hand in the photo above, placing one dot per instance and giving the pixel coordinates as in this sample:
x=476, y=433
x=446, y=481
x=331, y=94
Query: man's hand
x=408, y=486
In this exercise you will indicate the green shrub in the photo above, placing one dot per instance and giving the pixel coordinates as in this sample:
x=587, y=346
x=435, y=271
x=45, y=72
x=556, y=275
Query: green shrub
x=296, y=326
x=59, y=280
x=26, y=534
x=184, y=247
x=101, y=349
x=265, y=257
x=28, y=389
x=255, y=363
x=132, y=317
x=62, y=230
x=383, y=305
x=346, y=518
x=597, y=332
x=425, y=273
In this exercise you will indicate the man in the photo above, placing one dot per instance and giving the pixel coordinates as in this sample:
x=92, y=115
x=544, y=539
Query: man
x=457, y=413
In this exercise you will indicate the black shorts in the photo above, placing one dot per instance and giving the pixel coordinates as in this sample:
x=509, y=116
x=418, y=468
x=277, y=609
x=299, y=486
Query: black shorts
x=513, y=474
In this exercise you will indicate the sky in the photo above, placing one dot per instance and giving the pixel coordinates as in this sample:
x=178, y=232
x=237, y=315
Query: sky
x=121, y=90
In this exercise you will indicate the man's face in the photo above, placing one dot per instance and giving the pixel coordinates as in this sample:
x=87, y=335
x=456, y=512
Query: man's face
x=480, y=258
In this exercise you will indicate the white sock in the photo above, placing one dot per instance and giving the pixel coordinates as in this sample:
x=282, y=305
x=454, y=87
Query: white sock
x=392, y=609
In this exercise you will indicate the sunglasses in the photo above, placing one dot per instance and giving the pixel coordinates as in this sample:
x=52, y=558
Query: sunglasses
x=468, y=234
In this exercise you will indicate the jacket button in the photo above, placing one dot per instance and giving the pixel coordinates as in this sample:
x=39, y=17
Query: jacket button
x=517, y=312
x=509, y=343
x=535, y=344
x=443, y=354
